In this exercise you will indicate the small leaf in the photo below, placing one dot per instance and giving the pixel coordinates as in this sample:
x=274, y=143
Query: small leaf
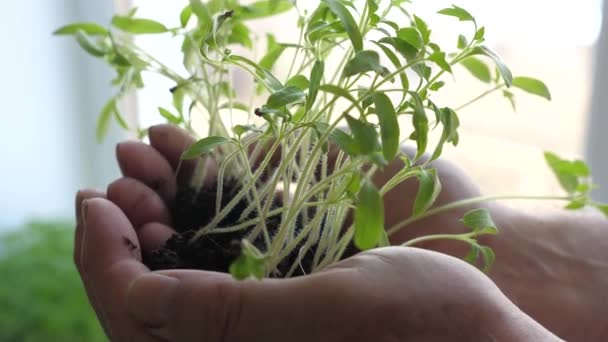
x=568, y=173
x=421, y=125
x=480, y=34
x=389, y=126
x=532, y=86
x=405, y=83
x=88, y=46
x=480, y=222
x=235, y=105
x=345, y=142
x=439, y=59
x=366, y=137
x=274, y=51
x=176, y=120
x=285, y=96
x=349, y=23
x=412, y=36
x=251, y=263
x=364, y=61
x=299, y=81
x=506, y=74
x=203, y=146
x=449, y=120
x=239, y=130
x=511, y=97
x=103, y=121
x=138, y=26
x=429, y=188
x=462, y=42
x=603, y=208
x=369, y=217
x=316, y=77
x=423, y=29
x=488, y=258
x=261, y=9
x=457, y=12
x=91, y=29
x=477, y=68
x=185, y=15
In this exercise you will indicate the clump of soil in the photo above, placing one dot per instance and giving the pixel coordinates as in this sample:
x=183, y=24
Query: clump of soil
x=215, y=252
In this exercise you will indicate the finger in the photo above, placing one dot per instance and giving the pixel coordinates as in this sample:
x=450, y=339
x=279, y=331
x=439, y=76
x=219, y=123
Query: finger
x=207, y=306
x=111, y=262
x=153, y=236
x=171, y=142
x=139, y=202
x=144, y=163
x=81, y=196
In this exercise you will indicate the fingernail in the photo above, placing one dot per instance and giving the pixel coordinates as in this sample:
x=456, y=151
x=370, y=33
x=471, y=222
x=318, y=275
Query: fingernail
x=150, y=298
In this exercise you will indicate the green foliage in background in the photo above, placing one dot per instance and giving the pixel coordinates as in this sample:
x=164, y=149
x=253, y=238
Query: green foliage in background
x=41, y=296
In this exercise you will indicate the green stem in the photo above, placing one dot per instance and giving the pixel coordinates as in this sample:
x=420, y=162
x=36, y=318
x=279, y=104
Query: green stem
x=458, y=237
x=481, y=96
x=466, y=202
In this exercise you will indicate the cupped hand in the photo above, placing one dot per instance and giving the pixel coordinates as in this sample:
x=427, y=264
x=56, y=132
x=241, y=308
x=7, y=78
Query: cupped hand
x=390, y=294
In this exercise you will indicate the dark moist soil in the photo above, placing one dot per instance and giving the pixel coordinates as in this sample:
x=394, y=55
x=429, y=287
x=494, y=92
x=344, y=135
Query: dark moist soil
x=215, y=252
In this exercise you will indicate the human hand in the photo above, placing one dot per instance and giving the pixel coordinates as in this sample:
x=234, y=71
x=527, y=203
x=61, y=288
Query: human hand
x=390, y=294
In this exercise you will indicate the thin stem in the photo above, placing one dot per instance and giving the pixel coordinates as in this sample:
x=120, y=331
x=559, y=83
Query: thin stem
x=481, y=96
x=458, y=237
x=467, y=202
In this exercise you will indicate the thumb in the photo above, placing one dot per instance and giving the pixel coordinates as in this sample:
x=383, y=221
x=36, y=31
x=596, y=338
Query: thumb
x=208, y=306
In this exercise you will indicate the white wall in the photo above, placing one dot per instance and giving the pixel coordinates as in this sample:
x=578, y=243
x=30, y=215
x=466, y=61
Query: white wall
x=50, y=94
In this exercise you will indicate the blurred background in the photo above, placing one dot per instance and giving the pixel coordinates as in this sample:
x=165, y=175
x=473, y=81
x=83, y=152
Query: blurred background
x=52, y=93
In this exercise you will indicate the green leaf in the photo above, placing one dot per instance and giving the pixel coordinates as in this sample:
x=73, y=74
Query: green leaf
x=457, y=12
x=480, y=222
x=239, y=130
x=138, y=26
x=104, y=119
x=389, y=126
x=202, y=13
x=405, y=83
x=345, y=142
x=364, y=61
x=423, y=29
x=316, y=77
x=511, y=97
x=274, y=51
x=568, y=173
x=412, y=36
x=449, y=120
x=401, y=46
x=439, y=58
x=506, y=74
x=462, y=42
x=174, y=119
x=532, y=86
x=480, y=34
x=366, y=137
x=477, y=68
x=264, y=74
x=285, y=96
x=91, y=29
x=349, y=23
x=429, y=188
x=421, y=125
x=369, y=217
x=235, y=105
x=299, y=81
x=488, y=258
x=88, y=46
x=251, y=263
x=603, y=208
x=185, y=15
x=239, y=34
x=204, y=146
x=261, y=9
